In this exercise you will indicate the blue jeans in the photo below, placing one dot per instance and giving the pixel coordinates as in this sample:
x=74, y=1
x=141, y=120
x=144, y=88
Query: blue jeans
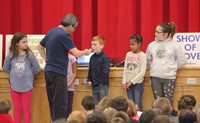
x=135, y=93
x=99, y=92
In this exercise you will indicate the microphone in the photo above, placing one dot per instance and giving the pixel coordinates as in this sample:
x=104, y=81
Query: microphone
x=91, y=50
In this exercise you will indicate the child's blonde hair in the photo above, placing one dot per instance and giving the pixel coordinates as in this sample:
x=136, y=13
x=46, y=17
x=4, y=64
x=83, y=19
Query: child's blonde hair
x=99, y=38
x=76, y=115
x=132, y=107
x=5, y=106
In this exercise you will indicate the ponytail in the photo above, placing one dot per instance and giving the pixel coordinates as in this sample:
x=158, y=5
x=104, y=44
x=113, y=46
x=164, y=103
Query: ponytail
x=173, y=28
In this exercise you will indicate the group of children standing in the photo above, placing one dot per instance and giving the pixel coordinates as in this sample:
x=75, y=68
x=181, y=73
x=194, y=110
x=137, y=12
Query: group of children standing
x=164, y=56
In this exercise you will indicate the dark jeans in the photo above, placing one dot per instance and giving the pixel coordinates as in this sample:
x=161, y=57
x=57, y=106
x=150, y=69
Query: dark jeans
x=99, y=92
x=163, y=88
x=70, y=102
x=56, y=86
x=135, y=93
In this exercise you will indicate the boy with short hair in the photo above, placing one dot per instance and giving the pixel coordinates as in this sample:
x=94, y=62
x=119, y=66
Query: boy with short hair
x=88, y=105
x=99, y=69
x=5, y=107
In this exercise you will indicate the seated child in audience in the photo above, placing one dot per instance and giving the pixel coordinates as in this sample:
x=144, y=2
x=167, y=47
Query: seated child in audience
x=105, y=101
x=120, y=103
x=148, y=115
x=88, y=105
x=187, y=116
x=110, y=112
x=103, y=104
x=186, y=102
x=133, y=110
x=165, y=106
x=162, y=119
x=76, y=116
x=5, y=107
x=96, y=117
x=120, y=117
x=197, y=112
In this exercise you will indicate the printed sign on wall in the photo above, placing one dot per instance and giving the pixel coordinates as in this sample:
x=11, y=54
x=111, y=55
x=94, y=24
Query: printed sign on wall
x=1, y=50
x=190, y=43
x=33, y=41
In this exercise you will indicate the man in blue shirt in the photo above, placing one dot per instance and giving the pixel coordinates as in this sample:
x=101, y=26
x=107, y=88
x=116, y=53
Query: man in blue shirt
x=54, y=48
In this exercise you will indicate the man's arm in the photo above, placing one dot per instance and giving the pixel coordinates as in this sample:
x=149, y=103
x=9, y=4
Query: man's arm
x=79, y=53
x=42, y=52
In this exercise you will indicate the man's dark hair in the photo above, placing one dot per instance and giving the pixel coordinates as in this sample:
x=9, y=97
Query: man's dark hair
x=69, y=19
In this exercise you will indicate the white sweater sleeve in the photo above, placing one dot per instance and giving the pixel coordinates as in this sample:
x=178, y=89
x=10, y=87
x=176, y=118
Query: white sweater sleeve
x=124, y=72
x=140, y=76
x=149, y=56
x=180, y=57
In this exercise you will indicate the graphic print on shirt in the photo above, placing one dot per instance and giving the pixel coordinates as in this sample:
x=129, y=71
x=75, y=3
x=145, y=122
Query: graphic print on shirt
x=133, y=62
x=160, y=52
x=19, y=66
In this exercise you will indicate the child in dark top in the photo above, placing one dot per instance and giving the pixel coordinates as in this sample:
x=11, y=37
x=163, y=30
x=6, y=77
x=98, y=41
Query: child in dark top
x=99, y=68
x=5, y=107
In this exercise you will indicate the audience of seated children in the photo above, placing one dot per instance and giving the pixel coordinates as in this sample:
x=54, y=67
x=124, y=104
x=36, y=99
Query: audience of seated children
x=5, y=107
x=88, y=105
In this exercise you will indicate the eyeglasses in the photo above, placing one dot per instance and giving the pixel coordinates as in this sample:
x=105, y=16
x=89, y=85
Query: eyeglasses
x=74, y=26
x=158, y=32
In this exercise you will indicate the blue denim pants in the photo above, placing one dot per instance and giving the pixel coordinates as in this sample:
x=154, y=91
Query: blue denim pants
x=135, y=93
x=99, y=92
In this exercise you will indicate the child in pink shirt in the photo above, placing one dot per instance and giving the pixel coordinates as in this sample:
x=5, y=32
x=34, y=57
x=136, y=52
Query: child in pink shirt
x=71, y=75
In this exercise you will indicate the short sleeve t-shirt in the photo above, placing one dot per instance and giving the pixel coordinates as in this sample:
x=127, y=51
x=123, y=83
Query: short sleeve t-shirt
x=57, y=43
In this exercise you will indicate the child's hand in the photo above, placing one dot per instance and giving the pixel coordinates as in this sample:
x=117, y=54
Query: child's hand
x=69, y=84
x=89, y=82
x=124, y=85
x=128, y=84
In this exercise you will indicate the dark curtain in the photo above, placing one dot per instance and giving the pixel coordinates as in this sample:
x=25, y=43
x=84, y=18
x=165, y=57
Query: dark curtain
x=116, y=20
